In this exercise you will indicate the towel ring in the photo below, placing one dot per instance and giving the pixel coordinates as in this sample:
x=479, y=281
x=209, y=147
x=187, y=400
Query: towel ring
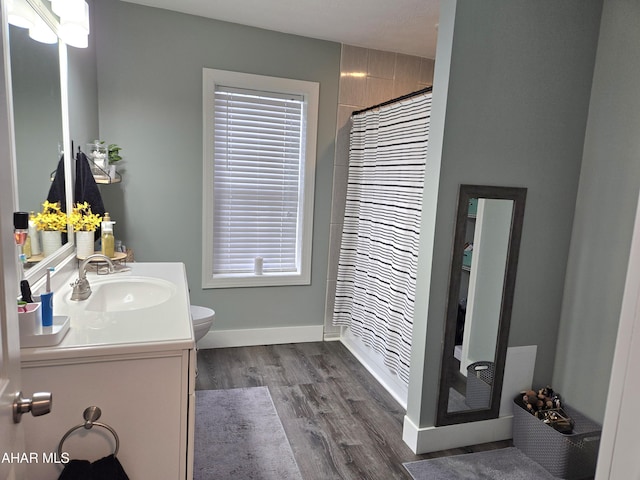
x=90, y=414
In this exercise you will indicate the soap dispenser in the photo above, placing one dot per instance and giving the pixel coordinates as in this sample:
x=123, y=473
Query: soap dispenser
x=108, y=240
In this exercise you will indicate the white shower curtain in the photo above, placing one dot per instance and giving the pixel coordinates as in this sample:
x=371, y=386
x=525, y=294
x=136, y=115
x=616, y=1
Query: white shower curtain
x=376, y=283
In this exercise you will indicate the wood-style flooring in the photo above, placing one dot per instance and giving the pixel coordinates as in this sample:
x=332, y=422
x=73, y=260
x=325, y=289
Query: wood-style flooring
x=341, y=423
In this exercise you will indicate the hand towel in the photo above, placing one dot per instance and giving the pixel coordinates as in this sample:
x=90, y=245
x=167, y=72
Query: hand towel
x=86, y=189
x=107, y=468
x=56, y=190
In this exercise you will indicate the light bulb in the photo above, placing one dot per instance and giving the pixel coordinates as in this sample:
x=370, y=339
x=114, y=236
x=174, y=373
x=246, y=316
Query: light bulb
x=20, y=13
x=67, y=8
x=41, y=32
x=74, y=28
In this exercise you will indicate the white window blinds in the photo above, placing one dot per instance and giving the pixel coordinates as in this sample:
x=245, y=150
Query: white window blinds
x=257, y=175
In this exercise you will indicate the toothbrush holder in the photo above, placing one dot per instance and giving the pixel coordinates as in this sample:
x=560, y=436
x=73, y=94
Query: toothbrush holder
x=30, y=320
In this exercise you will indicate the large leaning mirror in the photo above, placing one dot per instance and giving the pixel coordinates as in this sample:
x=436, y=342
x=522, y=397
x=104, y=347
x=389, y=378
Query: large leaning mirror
x=481, y=285
x=38, y=85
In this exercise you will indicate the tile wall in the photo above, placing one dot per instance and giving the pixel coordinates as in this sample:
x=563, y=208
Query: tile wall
x=367, y=78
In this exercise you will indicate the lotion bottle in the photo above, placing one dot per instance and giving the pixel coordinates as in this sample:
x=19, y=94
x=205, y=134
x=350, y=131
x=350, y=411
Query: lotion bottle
x=33, y=234
x=107, y=239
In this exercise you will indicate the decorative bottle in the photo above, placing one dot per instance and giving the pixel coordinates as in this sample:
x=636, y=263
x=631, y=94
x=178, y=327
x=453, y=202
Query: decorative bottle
x=26, y=248
x=108, y=240
x=34, y=235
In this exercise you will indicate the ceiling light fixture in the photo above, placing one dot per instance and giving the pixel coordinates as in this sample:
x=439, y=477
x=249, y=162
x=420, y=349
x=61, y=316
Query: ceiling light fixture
x=67, y=19
x=74, y=29
x=74, y=21
x=20, y=14
x=41, y=32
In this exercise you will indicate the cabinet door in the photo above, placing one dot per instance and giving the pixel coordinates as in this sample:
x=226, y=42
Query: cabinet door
x=143, y=399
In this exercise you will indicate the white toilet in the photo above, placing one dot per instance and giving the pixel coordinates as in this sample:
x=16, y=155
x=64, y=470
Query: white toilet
x=202, y=319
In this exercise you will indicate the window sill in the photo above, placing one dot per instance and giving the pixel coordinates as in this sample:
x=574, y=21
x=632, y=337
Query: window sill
x=250, y=280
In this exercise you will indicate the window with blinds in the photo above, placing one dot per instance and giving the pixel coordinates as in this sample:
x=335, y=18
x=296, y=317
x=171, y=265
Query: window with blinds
x=257, y=174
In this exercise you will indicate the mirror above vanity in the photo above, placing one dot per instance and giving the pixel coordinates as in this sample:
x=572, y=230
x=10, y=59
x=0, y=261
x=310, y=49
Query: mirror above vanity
x=481, y=285
x=38, y=71
x=37, y=113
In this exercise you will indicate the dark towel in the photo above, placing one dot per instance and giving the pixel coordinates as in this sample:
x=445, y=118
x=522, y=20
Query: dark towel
x=86, y=189
x=56, y=190
x=107, y=468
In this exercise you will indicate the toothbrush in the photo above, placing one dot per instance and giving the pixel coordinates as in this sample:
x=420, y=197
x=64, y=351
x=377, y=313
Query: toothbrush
x=46, y=299
x=50, y=270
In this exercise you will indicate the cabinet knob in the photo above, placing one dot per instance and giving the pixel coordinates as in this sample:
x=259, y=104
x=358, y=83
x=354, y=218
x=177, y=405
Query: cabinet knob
x=39, y=404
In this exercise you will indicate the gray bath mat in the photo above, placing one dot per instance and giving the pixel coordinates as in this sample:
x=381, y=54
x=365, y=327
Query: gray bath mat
x=502, y=464
x=238, y=435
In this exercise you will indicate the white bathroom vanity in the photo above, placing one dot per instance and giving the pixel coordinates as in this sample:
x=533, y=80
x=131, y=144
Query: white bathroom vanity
x=129, y=351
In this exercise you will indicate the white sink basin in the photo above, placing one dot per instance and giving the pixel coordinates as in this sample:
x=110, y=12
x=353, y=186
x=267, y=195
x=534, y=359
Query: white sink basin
x=130, y=293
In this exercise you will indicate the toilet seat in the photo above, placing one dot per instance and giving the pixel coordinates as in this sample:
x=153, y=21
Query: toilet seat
x=201, y=319
x=200, y=315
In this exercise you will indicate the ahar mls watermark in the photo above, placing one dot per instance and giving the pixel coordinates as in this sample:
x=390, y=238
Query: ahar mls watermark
x=34, y=457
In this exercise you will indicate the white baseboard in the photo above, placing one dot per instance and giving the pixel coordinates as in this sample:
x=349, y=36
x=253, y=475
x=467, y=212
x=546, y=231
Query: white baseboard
x=518, y=376
x=433, y=439
x=261, y=336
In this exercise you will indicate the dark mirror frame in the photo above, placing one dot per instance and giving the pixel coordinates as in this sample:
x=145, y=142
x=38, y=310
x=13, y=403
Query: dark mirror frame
x=448, y=363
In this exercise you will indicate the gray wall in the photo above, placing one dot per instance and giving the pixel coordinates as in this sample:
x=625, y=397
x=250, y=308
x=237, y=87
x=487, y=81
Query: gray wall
x=518, y=96
x=150, y=102
x=605, y=210
x=83, y=92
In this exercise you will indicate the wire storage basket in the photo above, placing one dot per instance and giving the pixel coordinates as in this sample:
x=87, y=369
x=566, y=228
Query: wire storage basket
x=479, y=382
x=570, y=456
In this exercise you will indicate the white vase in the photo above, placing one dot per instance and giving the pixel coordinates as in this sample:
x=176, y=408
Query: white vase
x=84, y=244
x=51, y=241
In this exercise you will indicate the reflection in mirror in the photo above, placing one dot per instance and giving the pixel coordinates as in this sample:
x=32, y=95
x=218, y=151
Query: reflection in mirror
x=38, y=99
x=37, y=113
x=483, y=268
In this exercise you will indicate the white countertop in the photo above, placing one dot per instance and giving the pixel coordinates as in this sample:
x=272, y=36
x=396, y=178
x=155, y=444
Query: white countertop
x=166, y=326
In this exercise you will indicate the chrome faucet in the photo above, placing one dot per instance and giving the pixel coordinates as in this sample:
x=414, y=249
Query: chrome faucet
x=81, y=287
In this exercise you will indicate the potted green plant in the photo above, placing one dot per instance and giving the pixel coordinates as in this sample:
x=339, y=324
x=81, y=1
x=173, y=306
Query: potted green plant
x=113, y=157
x=113, y=153
x=110, y=156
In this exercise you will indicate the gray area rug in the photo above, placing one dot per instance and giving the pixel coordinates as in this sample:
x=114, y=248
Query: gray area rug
x=502, y=464
x=238, y=435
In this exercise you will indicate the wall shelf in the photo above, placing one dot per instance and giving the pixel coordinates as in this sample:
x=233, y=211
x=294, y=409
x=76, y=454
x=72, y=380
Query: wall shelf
x=101, y=178
x=107, y=180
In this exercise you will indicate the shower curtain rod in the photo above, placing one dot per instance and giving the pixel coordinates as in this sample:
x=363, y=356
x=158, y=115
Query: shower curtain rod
x=394, y=100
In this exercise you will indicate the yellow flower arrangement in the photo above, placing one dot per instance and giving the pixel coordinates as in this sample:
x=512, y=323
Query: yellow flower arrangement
x=83, y=219
x=51, y=218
